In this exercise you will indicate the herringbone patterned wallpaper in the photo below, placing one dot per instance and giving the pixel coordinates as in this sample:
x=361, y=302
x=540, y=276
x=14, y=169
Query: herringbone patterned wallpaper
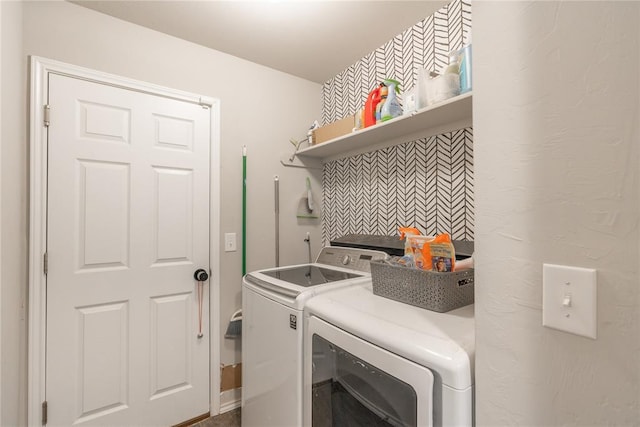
x=427, y=183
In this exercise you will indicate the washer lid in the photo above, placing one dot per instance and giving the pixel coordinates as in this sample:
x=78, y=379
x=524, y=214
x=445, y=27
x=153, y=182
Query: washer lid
x=273, y=284
x=310, y=275
x=442, y=342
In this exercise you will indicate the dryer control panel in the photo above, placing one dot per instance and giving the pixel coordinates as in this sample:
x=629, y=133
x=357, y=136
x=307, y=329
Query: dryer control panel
x=355, y=259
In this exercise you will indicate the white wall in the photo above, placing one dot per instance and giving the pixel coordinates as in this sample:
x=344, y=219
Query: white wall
x=14, y=219
x=260, y=108
x=1, y=26
x=556, y=90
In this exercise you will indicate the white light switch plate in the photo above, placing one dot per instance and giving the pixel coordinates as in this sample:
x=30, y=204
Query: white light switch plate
x=569, y=299
x=229, y=242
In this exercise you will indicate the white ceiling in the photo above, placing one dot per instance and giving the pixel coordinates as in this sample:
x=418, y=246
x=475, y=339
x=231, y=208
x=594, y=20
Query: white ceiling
x=314, y=40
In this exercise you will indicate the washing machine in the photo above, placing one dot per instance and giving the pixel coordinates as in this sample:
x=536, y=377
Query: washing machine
x=371, y=361
x=273, y=330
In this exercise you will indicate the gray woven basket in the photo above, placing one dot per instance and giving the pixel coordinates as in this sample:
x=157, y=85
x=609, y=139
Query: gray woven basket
x=439, y=292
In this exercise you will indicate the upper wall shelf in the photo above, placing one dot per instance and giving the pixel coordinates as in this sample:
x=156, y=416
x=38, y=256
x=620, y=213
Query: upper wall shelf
x=449, y=115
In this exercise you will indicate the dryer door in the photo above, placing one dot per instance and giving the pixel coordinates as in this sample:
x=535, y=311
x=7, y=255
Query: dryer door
x=354, y=383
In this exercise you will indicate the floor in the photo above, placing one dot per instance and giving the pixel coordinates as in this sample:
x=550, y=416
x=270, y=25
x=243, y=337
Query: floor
x=228, y=419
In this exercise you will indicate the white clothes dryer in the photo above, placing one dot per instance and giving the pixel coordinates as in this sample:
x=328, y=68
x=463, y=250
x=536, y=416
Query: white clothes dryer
x=272, y=330
x=370, y=361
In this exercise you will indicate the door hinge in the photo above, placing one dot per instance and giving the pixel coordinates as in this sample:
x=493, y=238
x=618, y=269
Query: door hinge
x=45, y=263
x=47, y=115
x=205, y=103
x=44, y=412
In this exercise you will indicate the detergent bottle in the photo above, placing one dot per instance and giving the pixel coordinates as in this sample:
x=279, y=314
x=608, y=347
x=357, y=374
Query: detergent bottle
x=391, y=107
x=370, y=106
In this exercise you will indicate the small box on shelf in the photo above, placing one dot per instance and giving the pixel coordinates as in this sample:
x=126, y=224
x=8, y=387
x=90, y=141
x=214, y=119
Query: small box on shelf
x=334, y=130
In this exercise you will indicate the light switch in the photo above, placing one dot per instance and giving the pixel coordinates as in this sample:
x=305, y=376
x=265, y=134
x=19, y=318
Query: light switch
x=229, y=242
x=569, y=299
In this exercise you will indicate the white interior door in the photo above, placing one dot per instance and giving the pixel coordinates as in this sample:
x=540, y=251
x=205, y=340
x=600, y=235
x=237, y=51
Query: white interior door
x=128, y=224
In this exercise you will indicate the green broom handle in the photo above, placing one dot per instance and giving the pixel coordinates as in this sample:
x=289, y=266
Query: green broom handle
x=244, y=210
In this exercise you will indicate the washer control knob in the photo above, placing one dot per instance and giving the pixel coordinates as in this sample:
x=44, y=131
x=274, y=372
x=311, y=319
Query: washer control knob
x=346, y=260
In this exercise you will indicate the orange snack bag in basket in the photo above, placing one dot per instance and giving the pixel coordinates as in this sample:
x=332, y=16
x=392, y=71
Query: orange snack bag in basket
x=405, y=233
x=439, y=254
x=415, y=246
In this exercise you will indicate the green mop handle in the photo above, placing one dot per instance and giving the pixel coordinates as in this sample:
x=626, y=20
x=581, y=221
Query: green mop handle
x=244, y=210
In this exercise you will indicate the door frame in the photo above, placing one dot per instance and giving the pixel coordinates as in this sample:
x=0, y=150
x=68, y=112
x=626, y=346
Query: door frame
x=39, y=88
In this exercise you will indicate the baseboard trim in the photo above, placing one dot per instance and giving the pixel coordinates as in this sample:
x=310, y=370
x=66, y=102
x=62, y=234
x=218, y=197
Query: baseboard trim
x=193, y=421
x=230, y=406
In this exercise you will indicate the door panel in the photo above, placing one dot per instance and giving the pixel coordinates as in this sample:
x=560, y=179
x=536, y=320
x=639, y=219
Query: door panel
x=170, y=355
x=103, y=190
x=174, y=132
x=128, y=224
x=103, y=358
x=173, y=215
x=104, y=122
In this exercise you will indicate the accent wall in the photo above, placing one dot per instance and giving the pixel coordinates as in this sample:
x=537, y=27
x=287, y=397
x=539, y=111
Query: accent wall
x=425, y=183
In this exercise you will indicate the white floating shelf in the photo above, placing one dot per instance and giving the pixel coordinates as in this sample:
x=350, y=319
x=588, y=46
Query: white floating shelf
x=449, y=115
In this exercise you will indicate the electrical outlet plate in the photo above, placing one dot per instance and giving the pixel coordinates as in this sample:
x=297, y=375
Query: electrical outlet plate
x=569, y=299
